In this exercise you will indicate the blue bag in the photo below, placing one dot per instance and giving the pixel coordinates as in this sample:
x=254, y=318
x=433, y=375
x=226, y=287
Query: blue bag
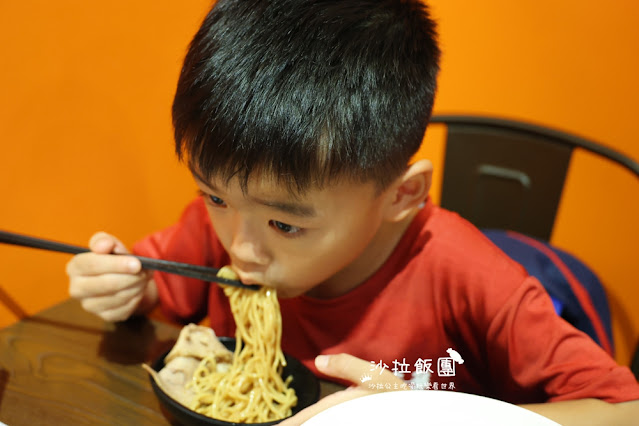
x=576, y=292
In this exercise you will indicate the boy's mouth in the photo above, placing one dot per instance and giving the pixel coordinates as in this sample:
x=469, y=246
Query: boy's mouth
x=248, y=278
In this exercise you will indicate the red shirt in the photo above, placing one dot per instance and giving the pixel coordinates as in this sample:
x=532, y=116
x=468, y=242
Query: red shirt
x=444, y=286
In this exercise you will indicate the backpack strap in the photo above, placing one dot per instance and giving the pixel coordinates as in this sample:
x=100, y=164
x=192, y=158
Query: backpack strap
x=577, y=294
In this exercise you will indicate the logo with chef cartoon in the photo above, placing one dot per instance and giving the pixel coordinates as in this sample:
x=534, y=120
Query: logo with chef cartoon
x=446, y=365
x=422, y=373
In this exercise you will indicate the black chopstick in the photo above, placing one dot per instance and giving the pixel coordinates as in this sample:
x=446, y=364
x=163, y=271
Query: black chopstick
x=204, y=273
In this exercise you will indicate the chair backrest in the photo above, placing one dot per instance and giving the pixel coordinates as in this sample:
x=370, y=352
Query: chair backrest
x=509, y=175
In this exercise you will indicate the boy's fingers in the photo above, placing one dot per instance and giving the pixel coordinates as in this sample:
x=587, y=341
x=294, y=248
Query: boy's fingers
x=99, y=304
x=123, y=312
x=105, y=285
x=345, y=367
x=98, y=264
x=104, y=243
x=355, y=370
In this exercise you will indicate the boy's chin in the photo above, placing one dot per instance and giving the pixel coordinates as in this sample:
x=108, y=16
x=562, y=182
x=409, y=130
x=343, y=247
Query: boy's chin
x=288, y=293
x=284, y=292
x=288, y=290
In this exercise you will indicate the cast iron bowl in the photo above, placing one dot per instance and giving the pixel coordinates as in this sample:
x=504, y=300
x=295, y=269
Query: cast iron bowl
x=306, y=387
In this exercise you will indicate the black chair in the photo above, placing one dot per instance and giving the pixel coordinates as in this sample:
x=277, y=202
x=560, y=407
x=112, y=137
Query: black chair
x=505, y=174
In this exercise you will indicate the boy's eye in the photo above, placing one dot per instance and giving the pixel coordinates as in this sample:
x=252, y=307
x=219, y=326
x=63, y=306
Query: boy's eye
x=217, y=200
x=284, y=227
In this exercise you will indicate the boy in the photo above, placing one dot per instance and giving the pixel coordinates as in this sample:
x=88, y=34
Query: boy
x=298, y=120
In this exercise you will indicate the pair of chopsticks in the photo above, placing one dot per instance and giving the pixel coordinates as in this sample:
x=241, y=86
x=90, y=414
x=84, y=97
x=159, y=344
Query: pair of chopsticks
x=185, y=269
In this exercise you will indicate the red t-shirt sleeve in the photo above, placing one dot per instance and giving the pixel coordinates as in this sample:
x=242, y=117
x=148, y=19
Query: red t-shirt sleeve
x=532, y=348
x=191, y=240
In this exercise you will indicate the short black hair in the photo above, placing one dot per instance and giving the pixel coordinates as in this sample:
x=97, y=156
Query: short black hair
x=308, y=91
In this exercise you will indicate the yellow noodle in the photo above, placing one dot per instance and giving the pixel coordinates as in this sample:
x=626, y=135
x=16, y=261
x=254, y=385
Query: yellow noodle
x=253, y=390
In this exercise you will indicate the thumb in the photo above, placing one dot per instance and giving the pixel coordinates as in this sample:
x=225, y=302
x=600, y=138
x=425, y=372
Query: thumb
x=355, y=370
x=104, y=243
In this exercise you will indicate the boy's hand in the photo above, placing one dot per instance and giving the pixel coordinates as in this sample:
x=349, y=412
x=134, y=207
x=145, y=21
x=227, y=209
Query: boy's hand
x=348, y=367
x=112, y=287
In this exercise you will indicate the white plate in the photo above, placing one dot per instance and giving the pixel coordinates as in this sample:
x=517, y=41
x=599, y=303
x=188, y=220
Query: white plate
x=431, y=407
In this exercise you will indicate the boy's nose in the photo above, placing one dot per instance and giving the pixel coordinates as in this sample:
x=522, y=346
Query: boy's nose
x=246, y=249
x=246, y=256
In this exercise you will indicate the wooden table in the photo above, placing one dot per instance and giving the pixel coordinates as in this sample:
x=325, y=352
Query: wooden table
x=65, y=366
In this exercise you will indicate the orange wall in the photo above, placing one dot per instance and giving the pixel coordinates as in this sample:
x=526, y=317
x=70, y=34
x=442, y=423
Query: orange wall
x=84, y=116
x=572, y=65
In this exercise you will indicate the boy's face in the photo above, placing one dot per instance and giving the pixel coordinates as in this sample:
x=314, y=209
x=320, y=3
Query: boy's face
x=295, y=244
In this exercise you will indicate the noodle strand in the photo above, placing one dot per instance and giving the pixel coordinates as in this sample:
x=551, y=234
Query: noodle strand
x=252, y=390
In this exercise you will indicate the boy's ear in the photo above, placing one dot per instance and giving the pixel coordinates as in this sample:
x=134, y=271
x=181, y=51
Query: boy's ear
x=409, y=190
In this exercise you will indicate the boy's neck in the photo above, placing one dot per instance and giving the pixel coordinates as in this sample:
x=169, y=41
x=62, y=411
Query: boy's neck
x=370, y=260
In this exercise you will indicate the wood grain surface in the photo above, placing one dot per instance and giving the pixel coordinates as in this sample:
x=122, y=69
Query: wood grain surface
x=65, y=366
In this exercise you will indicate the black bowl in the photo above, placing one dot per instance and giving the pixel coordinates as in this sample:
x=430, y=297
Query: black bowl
x=306, y=387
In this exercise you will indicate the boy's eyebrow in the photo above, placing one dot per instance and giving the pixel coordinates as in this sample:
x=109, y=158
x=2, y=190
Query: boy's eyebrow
x=296, y=209
x=199, y=177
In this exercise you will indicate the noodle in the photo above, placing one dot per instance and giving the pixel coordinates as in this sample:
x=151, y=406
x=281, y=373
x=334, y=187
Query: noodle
x=252, y=390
